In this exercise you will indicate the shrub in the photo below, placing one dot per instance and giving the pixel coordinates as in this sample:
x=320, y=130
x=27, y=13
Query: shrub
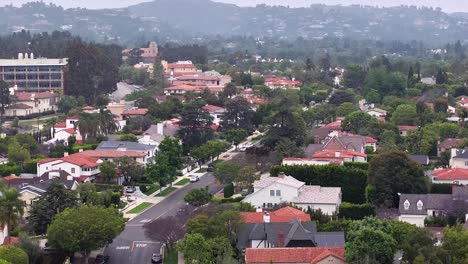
x=30, y=166
x=104, y=187
x=228, y=190
x=13, y=255
x=9, y=169
x=115, y=198
x=228, y=200
x=357, y=165
x=356, y=211
x=436, y=221
x=351, y=180
x=442, y=188
x=143, y=188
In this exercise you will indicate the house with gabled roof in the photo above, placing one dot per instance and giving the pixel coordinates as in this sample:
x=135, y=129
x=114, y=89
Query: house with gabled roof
x=271, y=191
x=315, y=255
x=282, y=215
x=456, y=176
x=415, y=208
x=448, y=144
x=459, y=158
x=286, y=235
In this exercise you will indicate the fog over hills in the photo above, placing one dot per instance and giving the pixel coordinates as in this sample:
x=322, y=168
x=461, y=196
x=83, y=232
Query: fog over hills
x=185, y=19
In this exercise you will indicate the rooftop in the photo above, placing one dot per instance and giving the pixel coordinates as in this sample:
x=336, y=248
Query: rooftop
x=450, y=174
x=266, y=180
x=283, y=215
x=23, y=96
x=33, y=62
x=314, y=194
x=124, y=145
x=310, y=255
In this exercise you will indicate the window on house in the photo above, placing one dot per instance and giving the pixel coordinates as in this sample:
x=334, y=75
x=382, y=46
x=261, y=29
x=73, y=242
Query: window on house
x=272, y=192
x=420, y=205
x=406, y=204
x=278, y=192
x=466, y=163
x=73, y=170
x=269, y=205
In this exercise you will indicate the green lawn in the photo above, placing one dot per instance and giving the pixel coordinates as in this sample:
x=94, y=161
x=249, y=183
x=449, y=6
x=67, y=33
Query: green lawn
x=166, y=191
x=182, y=182
x=152, y=189
x=170, y=257
x=202, y=170
x=140, y=208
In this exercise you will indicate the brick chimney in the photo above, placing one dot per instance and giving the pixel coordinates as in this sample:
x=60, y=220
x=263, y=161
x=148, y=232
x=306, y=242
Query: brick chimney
x=316, y=140
x=280, y=238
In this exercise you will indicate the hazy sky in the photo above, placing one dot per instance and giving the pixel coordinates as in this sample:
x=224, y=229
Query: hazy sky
x=447, y=5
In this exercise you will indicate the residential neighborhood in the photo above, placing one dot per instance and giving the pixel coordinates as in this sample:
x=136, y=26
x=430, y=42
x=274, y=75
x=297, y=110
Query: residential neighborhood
x=168, y=145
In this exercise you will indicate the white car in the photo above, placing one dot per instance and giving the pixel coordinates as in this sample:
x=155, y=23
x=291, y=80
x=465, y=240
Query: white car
x=194, y=178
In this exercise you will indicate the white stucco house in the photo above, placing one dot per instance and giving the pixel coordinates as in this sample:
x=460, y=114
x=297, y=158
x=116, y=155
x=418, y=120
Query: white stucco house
x=63, y=130
x=31, y=104
x=216, y=112
x=459, y=158
x=270, y=191
x=377, y=112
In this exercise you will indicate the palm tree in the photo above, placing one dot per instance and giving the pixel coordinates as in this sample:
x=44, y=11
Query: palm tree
x=11, y=208
x=106, y=122
x=88, y=125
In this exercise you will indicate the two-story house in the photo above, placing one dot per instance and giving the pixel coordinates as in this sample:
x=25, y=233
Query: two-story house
x=63, y=130
x=149, y=150
x=459, y=158
x=32, y=104
x=79, y=166
x=216, y=112
x=271, y=191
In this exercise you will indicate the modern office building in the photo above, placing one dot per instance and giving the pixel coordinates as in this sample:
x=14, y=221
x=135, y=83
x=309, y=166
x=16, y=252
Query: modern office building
x=32, y=74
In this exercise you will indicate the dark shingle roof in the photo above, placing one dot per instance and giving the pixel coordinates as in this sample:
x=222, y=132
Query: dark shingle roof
x=429, y=201
x=421, y=159
x=462, y=154
x=294, y=231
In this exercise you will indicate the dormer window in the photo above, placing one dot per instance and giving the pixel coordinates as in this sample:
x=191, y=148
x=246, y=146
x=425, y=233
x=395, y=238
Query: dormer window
x=420, y=205
x=406, y=204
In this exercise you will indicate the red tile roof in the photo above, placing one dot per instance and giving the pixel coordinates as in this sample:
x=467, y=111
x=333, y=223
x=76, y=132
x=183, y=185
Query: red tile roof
x=463, y=101
x=212, y=108
x=283, y=215
x=336, y=125
x=78, y=159
x=198, y=77
x=70, y=131
x=407, y=128
x=451, y=143
x=20, y=106
x=10, y=178
x=450, y=174
x=61, y=125
x=88, y=108
x=311, y=255
x=185, y=87
x=73, y=118
x=283, y=81
x=14, y=241
x=135, y=112
x=328, y=153
x=23, y=96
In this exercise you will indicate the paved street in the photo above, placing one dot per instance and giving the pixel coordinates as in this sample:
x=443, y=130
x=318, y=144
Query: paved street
x=123, y=89
x=132, y=246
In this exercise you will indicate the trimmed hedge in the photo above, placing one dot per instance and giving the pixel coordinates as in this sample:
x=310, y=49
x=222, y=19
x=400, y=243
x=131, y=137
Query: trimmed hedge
x=228, y=190
x=356, y=211
x=351, y=180
x=9, y=169
x=441, y=188
x=77, y=148
x=357, y=165
x=104, y=187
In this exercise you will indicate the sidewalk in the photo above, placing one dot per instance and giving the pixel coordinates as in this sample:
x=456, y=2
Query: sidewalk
x=154, y=199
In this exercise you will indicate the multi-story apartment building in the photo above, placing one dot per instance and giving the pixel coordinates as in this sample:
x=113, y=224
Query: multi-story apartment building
x=31, y=74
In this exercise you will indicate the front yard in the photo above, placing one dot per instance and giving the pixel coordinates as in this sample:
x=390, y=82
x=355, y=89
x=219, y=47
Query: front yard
x=166, y=191
x=140, y=208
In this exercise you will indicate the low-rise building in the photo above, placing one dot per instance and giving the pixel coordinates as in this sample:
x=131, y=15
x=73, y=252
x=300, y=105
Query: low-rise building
x=377, y=112
x=282, y=83
x=282, y=215
x=448, y=144
x=149, y=150
x=459, y=158
x=216, y=112
x=156, y=133
x=287, y=235
x=309, y=255
x=450, y=176
x=415, y=208
x=271, y=191
x=62, y=131
x=28, y=104
x=180, y=68
x=404, y=130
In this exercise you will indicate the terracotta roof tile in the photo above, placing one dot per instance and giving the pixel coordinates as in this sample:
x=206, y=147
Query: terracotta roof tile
x=135, y=112
x=24, y=96
x=283, y=215
x=212, y=108
x=311, y=255
x=112, y=154
x=20, y=106
x=450, y=174
x=407, y=128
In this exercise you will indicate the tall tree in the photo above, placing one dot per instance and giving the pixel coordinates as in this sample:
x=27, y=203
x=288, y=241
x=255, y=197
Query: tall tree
x=11, y=208
x=238, y=115
x=392, y=173
x=195, y=125
x=167, y=230
x=236, y=136
x=55, y=200
x=108, y=171
x=129, y=169
x=85, y=229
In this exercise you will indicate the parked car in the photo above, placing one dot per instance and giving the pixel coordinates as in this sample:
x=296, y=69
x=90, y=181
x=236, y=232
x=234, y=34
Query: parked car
x=244, y=192
x=130, y=189
x=156, y=258
x=101, y=259
x=194, y=178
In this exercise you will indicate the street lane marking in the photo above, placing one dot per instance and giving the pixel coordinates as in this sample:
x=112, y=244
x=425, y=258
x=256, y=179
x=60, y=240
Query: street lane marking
x=142, y=244
x=145, y=221
x=123, y=248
